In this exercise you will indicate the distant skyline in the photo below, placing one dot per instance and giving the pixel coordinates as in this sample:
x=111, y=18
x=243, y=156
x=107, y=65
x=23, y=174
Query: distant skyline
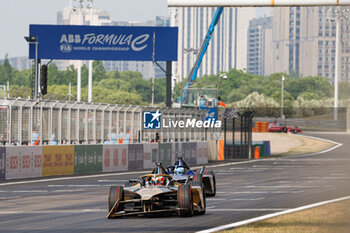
x=16, y=15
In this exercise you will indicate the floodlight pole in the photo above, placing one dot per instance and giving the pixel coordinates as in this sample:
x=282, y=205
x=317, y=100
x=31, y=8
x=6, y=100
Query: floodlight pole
x=34, y=40
x=79, y=61
x=337, y=20
x=339, y=15
x=282, y=89
x=36, y=71
x=90, y=64
x=153, y=61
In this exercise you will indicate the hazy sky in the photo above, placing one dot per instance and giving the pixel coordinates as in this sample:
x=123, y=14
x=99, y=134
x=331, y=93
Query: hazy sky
x=16, y=15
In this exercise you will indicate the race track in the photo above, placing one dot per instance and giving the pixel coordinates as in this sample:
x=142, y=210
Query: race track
x=244, y=190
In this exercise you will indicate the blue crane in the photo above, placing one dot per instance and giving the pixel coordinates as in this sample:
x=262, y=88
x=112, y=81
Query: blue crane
x=204, y=47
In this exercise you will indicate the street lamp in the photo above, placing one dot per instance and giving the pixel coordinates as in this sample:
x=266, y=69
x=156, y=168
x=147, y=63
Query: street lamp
x=90, y=6
x=79, y=9
x=34, y=40
x=282, y=89
x=337, y=15
x=221, y=76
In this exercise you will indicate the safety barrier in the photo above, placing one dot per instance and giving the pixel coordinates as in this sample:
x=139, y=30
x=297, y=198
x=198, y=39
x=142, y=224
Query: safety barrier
x=135, y=156
x=202, y=152
x=150, y=155
x=88, y=159
x=115, y=158
x=18, y=162
x=57, y=160
x=23, y=162
x=2, y=163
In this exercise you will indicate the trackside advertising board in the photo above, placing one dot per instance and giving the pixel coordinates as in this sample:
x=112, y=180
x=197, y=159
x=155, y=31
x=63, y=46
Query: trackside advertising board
x=104, y=42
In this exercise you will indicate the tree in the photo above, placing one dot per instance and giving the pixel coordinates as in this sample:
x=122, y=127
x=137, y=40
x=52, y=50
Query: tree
x=6, y=71
x=99, y=71
x=320, y=87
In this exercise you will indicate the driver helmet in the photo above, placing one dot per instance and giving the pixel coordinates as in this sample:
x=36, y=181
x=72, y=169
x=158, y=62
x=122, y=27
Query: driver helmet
x=179, y=171
x=160, y=180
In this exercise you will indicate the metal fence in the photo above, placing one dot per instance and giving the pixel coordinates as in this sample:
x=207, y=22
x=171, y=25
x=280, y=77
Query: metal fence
x=28, y=122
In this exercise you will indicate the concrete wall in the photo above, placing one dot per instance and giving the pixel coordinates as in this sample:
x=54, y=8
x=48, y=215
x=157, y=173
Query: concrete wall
x=213, y=150
x=19, y=162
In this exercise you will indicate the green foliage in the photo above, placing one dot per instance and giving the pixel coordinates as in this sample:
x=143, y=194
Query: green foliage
x=310, y=87
x=256, y=100
x=240, y=85
x=130, y=87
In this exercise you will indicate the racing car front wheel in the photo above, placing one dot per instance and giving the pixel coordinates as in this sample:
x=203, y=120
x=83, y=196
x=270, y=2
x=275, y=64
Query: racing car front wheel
x=197, y=180
x=210, y=187
x=185, y=201
x=115, y=193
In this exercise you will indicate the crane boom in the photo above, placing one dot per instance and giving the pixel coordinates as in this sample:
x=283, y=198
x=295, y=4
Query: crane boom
x=193, y=74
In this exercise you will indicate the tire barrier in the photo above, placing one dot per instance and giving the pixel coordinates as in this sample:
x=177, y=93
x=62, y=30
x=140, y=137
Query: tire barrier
x=19, y=162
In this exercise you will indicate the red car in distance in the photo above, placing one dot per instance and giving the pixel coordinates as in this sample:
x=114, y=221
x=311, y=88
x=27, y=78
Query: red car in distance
x=275, y=127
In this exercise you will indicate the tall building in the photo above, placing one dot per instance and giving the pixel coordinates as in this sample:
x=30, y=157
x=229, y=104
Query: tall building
x=304, y=42
x=228, y=46
x=259, y=46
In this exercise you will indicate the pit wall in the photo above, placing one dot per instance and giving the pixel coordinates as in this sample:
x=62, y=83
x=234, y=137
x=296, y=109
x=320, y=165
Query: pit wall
x=20, y=162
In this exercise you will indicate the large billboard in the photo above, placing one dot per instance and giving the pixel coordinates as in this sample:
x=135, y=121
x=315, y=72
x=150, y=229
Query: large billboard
x=104, y=43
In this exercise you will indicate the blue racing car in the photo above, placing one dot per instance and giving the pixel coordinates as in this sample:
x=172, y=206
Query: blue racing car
x=182, y=173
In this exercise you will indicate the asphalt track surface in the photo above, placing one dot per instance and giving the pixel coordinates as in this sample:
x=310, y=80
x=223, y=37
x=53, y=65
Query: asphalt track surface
x=244, y=190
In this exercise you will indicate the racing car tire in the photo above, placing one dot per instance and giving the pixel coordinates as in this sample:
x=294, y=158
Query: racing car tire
x=203, y=205
x=213, y=192
x=197, y=180
x=184, y=200
x=284, y=129
x=115, y=193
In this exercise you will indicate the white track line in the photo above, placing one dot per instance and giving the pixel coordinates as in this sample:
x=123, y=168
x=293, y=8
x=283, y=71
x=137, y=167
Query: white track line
x=55, y=211
x=111, y=181
x=244, y=222
x=287, y=186
x=244, y=210
x=262, y=192
x=227, y=164
x=71, y=178
x=337, y=144
x=246, y=199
